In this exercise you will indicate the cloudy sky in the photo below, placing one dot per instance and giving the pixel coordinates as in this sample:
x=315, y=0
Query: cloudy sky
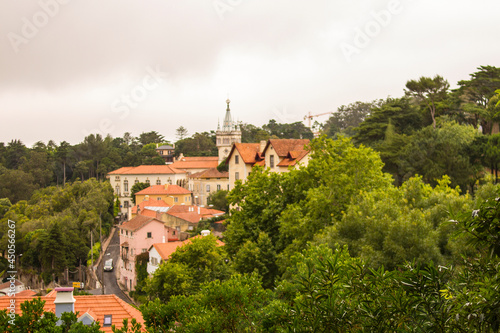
x=73, y=67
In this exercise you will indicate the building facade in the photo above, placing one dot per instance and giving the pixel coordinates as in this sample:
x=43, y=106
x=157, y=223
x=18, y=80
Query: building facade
x=204, y=183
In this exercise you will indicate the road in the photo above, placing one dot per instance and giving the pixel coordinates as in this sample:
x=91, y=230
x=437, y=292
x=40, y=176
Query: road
x=110, y=283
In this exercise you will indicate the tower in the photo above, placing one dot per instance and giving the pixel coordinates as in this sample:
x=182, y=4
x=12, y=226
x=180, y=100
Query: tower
x=227, y=135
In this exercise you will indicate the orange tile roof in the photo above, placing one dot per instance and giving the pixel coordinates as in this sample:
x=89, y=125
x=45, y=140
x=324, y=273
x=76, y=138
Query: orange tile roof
x=292, y=158
x=210, y=173
x=137, y=222
x=248, y=152
x=149, y=203
x=24, y=293
x=165, y=250
x=7, y=284
x=163, y=189
x=190, y=213
x=100, y=305
x=283, y=146
x=149, y=213
x=197, y=162
x=146, y=170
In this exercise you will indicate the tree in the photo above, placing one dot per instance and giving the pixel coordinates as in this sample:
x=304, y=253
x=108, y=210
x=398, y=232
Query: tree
x=199, y=144
x=181, y=132
x=295, y=130
x=150, y=137
x=218, y=200
x=14, y=153
x=136, y=188
x=404, y=117
x=348, y=117
x=429, y=91
x=16, y=185
x=191, y=265
x=234, y=305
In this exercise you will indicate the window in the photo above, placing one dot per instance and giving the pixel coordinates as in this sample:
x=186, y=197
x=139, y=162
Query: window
x=158, y=182
x=136, y=181
x=236, y=175
x=218, y=141
x=117, y=178
x=107, y=320
x=173, y=232
x=218, y=187
x=236, y=159
x=149, y=235
x=144, y=250
x=208, y=188
x=126, y=232
x=159, y=198
x=271, y=161
x=117, y=189
x=176, y=199
x=125, y=204
x=154, y=261
x=131, y=234
x=121, y=231
x=132, y=251
x=125, y=186
x=147, y=181
x=186, y=199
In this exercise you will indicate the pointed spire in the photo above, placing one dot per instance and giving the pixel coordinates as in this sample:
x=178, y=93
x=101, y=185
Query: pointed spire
x=227, y=125
x=218, y=124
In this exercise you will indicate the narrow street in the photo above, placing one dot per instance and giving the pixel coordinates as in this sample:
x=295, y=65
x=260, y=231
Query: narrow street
x=110, y=282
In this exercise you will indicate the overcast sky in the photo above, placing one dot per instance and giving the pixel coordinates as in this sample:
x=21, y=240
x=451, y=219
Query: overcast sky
x=73, y=67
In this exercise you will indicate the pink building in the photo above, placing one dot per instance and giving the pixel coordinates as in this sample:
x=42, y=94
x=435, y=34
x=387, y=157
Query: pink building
x=136, y=237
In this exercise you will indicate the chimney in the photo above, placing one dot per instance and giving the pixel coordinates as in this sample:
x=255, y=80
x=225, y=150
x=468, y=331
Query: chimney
x=262, y=146
x=64, y=302
x=199, y=211
x=163, y=239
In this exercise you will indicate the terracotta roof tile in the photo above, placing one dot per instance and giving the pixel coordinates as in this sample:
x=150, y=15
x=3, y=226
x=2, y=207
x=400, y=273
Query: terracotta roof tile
x=165, y=250
x=137, y=222
x=146, y=170
x=210, y=173
x=163, y=189
x=7, y=284
x=190, y=213
x=248, y=152
x=100, y=305
x=24, y=293
x=198, y=162
x=283, y=146
x=293, y=157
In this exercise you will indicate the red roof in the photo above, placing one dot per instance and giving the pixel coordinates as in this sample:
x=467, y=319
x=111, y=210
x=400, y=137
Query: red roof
x=99, y=305
x=163, y=189
x=198, y=162
x=210, y=173
x=146, y=170
x=283, y=146
x=249, y=152
x=165, y=250
x=137, y=222
x=190, y=213
x=7, y=284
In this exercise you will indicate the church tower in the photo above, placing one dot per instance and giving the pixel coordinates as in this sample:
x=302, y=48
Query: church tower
x=227, y=135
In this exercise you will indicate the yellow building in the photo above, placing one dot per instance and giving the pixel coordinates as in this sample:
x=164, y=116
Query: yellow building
x=207, y=182
x=170, y=194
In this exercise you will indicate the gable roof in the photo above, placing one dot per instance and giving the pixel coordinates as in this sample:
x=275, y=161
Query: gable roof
x=165, y=147
x=283, y=146
x=210, y=173
x=138, y=222
x=99, y=305
x=146, y=170
x=190, y=213
x=292, y=158
x=165, y=250
x=249, y=152
x=196, y=162
x=7, y=284
x=163, y=189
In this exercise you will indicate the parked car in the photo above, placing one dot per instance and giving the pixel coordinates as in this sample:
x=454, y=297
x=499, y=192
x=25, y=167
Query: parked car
x=108, y=265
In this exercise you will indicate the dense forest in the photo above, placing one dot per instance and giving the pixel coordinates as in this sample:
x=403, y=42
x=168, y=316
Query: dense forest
x=392, y=226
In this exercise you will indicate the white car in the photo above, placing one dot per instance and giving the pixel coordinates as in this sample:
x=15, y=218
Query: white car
x=108, y=265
